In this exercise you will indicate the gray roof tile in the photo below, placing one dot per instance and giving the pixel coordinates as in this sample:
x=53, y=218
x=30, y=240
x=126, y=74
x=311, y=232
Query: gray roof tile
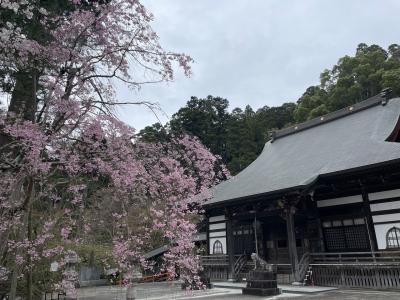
x=354, y=140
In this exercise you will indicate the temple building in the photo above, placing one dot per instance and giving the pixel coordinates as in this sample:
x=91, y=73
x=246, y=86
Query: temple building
x=322, y=202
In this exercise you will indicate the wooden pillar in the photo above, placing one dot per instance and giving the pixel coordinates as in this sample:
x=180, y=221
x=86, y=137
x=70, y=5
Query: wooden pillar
x=230, y=245
x=207, y=235
x=321, y=236
x=320, y=230
x=369, y=222
x=291, y=236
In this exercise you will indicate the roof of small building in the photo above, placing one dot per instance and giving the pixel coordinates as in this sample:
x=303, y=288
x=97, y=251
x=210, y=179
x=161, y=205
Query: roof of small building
x=351, y=138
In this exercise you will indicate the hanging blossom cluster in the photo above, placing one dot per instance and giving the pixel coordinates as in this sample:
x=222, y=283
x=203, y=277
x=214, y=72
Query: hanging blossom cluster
x=178, y=182
x=62, y=149
x=170, y=179
x=95, y=38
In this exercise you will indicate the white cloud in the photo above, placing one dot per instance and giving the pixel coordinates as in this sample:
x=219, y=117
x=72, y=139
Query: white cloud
x=258, y=52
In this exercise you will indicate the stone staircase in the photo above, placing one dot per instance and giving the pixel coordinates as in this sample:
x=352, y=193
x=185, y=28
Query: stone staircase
x=243, y=273
x=284, y=271
x=308, y=278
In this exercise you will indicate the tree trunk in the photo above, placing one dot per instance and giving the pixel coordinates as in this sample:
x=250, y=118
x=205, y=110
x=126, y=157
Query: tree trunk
x=23, y=97
x=23, y=101
x=14, y=281
x=29, y=284
x=20, y=236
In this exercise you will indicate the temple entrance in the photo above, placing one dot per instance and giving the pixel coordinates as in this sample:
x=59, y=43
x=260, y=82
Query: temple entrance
x=275, y=240
x=243, y=236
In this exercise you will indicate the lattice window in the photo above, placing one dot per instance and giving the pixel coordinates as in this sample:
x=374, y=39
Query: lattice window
x=217, y=247
x=356, y=237
x=335, y=239
x=393, y=238
x=346, y=234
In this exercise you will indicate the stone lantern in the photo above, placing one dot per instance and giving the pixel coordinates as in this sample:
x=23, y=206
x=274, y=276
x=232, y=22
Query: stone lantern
x=131, y=291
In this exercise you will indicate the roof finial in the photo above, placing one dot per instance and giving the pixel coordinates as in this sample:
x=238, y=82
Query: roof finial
x=386, y=95
x=273, y=136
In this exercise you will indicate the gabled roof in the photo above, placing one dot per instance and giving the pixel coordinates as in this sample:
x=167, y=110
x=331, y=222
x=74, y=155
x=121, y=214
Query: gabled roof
x=198, y=237
x=351, y=138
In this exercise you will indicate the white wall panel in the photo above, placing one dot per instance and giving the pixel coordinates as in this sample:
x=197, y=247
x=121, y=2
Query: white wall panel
x=384, y=195
x=339, y=201
x=217, y=226
x=216, y=218
x=218, y=233
x=385, y=206
x=386, y=218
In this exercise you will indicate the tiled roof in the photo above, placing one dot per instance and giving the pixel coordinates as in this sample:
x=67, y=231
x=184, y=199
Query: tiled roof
x=348, y=139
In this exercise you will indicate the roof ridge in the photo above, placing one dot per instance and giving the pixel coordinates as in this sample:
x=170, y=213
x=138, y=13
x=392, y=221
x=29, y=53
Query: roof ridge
x=382, y=98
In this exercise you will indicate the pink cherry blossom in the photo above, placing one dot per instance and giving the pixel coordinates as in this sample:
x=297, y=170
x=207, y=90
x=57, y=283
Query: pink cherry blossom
x=66, y=153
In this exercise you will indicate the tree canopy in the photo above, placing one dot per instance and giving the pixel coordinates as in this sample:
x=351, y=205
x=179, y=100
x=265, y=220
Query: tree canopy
x=352, y=79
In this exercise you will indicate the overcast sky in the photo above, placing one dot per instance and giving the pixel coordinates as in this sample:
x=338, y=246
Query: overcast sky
x=259, y=52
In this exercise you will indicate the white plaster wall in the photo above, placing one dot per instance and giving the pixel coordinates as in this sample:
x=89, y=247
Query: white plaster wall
x=217, y=234
x=381, y=230
x=385, y=206
x=216, y=218
x=223, y=242
x=217, y=226
x=384, y=195
x=339, y=201
x=386, y=218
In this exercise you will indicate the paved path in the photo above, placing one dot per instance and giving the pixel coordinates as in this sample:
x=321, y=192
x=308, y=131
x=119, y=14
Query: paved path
x=171, y=291
x=286, y=288
x=154, y=291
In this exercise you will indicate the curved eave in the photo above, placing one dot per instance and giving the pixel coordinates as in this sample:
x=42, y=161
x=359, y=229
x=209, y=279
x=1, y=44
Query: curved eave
x=300, y=188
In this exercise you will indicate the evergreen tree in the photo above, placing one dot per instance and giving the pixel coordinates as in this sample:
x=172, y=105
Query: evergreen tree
x=351, y=80
x=207, y=119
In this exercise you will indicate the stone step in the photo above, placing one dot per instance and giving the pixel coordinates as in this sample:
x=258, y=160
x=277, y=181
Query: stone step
x=262, y=284
x=261, y=292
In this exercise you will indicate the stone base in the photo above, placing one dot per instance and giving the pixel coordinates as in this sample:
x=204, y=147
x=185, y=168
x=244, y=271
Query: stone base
x=261, y=283
x=261, y=292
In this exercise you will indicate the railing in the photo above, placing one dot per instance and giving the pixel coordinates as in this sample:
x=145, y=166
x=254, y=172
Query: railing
x=239, y=264
x=303, y=266
x=216, y=267
x=156, y=278
x=364, y=258
x=50, y=294
x=378, y=270
x=214, y=260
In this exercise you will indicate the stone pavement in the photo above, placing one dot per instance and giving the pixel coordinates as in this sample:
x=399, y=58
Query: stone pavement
x=166, y=291
x=286, y=288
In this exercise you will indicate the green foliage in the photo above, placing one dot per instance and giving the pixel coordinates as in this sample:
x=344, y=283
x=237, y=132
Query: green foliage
x=352, y=79
x=237, y=137
x=154, y=133
x=207, y=119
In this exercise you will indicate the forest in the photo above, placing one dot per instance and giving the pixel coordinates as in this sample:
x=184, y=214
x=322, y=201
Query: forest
x=238, y=135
